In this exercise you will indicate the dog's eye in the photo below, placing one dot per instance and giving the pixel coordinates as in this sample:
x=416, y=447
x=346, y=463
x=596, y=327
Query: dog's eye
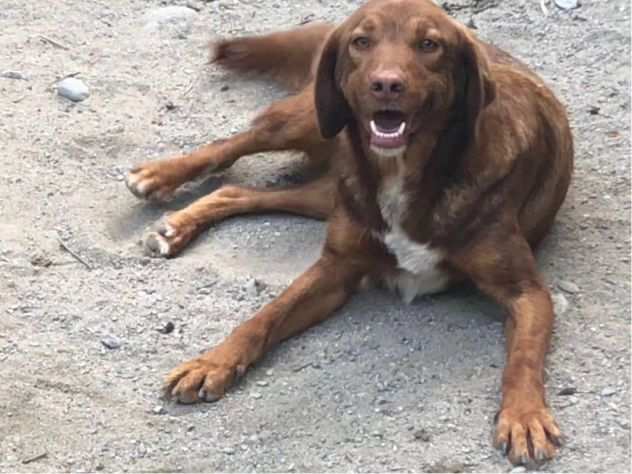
x=361, y=42
x=427, y=45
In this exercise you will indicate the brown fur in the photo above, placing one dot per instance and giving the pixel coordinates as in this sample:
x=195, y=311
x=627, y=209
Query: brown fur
x=487, y=163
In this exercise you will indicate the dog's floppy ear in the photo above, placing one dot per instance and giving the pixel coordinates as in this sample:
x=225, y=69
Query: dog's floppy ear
x=480, y=90
x=332, y=108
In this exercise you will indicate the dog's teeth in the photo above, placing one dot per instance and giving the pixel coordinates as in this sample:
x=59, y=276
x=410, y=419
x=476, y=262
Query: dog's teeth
x=376, y=131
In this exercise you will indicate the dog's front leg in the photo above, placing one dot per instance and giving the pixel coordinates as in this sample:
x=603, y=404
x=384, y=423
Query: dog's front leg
x=310, y=299
x=525, y=429
x=503, y=266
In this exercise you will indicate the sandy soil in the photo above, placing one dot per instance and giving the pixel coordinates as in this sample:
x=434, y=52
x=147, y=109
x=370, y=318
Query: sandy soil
x=383, y=386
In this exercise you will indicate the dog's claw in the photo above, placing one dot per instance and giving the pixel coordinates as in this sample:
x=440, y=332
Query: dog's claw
x=204, y=379
x=521, y=435
x=208, y=396
x=539, y=454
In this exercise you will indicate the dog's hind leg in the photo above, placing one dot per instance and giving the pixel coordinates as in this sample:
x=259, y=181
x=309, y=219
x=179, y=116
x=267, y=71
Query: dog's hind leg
x=314, y=199
x=285, y=125
x=286, y=57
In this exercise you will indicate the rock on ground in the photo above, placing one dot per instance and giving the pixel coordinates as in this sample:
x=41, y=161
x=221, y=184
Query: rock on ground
x=73, y=89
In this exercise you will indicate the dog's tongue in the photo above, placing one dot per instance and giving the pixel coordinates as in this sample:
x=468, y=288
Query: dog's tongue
x=387, y=130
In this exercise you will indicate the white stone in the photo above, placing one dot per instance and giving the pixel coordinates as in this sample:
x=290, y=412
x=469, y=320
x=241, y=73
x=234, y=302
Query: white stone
x=567, y=4
x=560, y=303
x=568, y=286
x=73, y=89
x=180, y=17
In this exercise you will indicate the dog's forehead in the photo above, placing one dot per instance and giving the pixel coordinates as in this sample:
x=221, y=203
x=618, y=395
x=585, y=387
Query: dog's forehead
x=399, y=8
x=416, y=15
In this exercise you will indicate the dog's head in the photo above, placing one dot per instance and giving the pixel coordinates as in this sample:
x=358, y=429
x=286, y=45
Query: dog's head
x=394, y=67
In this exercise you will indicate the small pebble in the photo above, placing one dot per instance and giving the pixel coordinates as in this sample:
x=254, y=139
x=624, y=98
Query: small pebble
x=519, y=469
x=560, y=303
x=594, y=110
x=568, y=286
x=159, y=410
x=567, y=391
x=167, y=328
x=251, y=288
x=229, y=451
x=111, y=342
x=14, y=75
x=608, y=392
x=170, y=15
x=262, y=383
x=567, y=4
x=73, y=89
x=99, y=467
x=307, y=19
x=41, y=261
x=255, y=395
x=422, y=435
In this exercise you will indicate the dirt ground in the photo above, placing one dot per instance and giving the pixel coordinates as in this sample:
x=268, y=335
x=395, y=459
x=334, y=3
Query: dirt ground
x=381, y=387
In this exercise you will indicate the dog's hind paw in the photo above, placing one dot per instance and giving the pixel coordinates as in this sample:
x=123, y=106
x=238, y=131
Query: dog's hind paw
x=168, y=239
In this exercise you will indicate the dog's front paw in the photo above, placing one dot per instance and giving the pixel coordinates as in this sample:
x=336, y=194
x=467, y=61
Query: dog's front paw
x=204, y=379
x=528, y=435
x=155, y=180
x=170, y=236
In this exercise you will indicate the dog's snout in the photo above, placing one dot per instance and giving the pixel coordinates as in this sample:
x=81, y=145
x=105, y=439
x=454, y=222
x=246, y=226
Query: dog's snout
x=387, y=84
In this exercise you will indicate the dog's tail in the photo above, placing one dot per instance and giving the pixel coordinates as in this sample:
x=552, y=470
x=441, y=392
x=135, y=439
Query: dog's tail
x=286, y=57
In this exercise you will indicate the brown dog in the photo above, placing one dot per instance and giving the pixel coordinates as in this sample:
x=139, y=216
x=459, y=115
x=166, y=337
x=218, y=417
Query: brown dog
x=448, y=161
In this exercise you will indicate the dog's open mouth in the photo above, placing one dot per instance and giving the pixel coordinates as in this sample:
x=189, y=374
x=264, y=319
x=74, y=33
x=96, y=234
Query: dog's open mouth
x=387, y=130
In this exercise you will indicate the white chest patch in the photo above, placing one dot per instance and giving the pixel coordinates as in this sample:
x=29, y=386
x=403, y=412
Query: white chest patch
x=418, y=272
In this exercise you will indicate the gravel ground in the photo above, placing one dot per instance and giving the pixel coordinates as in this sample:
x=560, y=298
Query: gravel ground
x=381, y=387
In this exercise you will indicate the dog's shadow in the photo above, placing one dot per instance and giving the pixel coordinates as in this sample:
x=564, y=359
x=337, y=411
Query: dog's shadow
x=142, y=215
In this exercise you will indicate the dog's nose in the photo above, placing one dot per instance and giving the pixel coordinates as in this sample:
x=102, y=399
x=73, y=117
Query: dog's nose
x=387, y=85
